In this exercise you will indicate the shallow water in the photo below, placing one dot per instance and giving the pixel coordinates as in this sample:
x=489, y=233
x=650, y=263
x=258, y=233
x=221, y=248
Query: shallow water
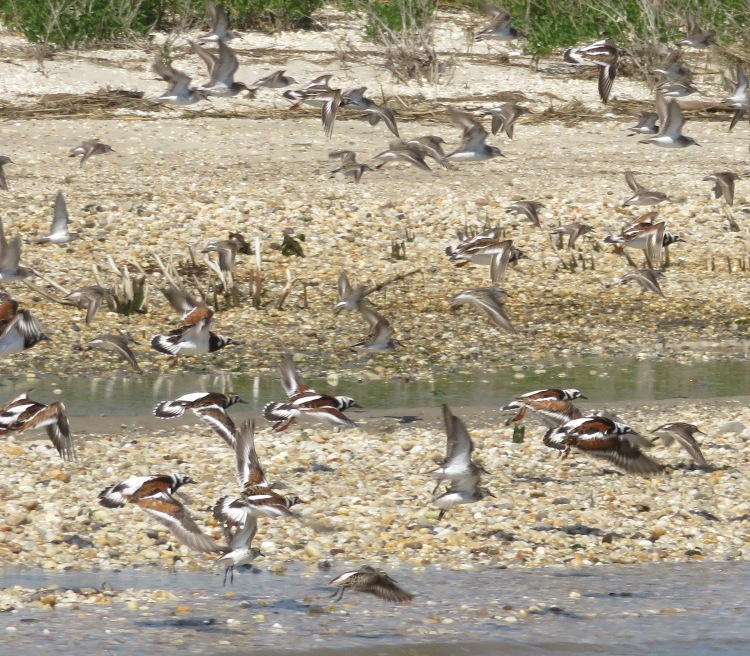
x=691, y=609
x=600, y=381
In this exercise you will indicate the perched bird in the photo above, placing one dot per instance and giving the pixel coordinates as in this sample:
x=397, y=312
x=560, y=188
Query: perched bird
x=504, y=117
x=604, y=54
x=193, y=336
x=371, y=581
x=641, y=195
x=257, y=498
x=457, y=466
x=179, y=91
x=355, y=99
x=239, y=549
x=211, y=407
x=723, y=185
x=574, y=230
x=647, y=279
x=553, y=407
x=739, y=100
x=4, y=159
x=348, y=167
x=91, y=298
x=119, y=344
x=473, y=147
x=219, y=24
x=380, y=337
x=684, y=434
x=21, y=413
x=499, y=28
x=490, y=301
x=88, y=148
x=276, y=80
x=10, y=258
x=400, y=151
x=646, y=123
x=58, y=232
x=347, y=297
x=221, y=71
x=528, y=208
x=604, y=438
x=695, y=37
x=153, y=495
x=671, y=122
x=303, y=401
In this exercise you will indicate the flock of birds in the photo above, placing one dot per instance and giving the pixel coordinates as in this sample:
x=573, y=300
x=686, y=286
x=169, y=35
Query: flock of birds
x=599, y=434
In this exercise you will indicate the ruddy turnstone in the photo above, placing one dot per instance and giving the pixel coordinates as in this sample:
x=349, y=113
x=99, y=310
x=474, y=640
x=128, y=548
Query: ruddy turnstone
x=645, y=235
x=676, y=88
x=484, y=248
x=684, y=434
x=355, y=99
x=221, y=70
x=646, y=123
x=4, y=159
x=276, y=80
x=10, y=258
x=240, y=550
x=18, y=330
x=695, y=37
x=671, y=122
x=604, y=438
x=347, y=297
x=528, y=208
x=647, y=279
x=641, y=195
x=303, y=401
x=119, y=344
x=490, y=301
x=91, y=298
x=739, y=100
x=193, y=336
x=21, y=413
x=574, y=230
x=504, y=117
x=348, y=166
x=723, y=185
x=553, y=407
x=672, y=67
x=400, y=151
x=371, y=581
x=179, y=91
x=219, y=24
x=257, y=498
x=318, y=93
x=211, y=407
x=380, y=337
x=457, y=466
x=473, y=147
x=604, y=54
x=154, y=495
x=499, y=28
x=88, y=148
x=58, y=232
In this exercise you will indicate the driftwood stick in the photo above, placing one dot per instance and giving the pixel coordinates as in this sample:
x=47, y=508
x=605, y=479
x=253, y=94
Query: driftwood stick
x=389, y=281
x=290, y=282
x=46, y=294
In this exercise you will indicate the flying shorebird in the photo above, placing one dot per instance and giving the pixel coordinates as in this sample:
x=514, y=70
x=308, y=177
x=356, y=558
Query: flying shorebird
x=671, y=122
x=211, y=407
x=684, y=434
x=355, y=99
x=219, y=24
x=303, y=401
x=193, y=336
x=18, y=330
x=528, y=208
x=348, y=166
x=276, y=80
x=431, y=146
x=348, y=297
x=154, y=495
x=695, y=37
x=21, y=413
x=504, y=117
x=646, y=123
x=672, y=68
x=604, y=54
x=318, y=93
x=400, y=151
x=91, y=298
x=119, y=344
x=473, y=147
x=239, y=548
x=221, y=70
x=227, y=250
x=739, y=100
x=641, y=195
x=574, y=231
x=647, y=279
x=499, y=28
x=371, y=581
x=179, y=91
x=380, y=337
x=10, y=258
x=552, y=407
x=4, y=159
x=88, y=148
x=676, y=88
x=58, y=232
x=723, y=185
x=490, y=301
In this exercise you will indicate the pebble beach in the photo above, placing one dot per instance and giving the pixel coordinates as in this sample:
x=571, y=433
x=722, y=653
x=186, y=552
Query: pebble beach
x=180, y=178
